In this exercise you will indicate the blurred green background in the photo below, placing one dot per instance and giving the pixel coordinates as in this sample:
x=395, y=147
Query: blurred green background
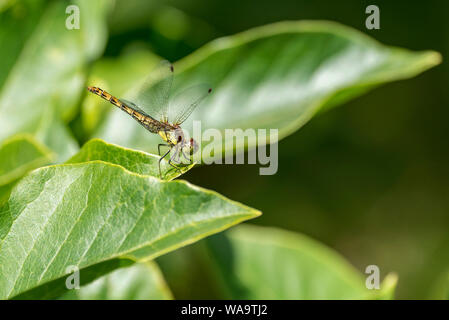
x=369, y=179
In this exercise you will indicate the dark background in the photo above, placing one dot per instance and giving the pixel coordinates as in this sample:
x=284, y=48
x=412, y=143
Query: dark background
x=369, y=178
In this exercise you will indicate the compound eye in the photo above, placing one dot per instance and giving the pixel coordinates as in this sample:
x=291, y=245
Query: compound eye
x=179, y=138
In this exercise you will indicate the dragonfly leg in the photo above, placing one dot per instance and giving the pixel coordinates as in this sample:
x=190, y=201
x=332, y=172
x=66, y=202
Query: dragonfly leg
x=160, y=159
x=159, y=147
x=186, y=157
x=170, y=162
x=177, y=168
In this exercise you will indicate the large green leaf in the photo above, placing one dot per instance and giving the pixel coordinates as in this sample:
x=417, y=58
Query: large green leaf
x=278, y=76
x=49, y=68
x=268, y=263
x=132, y=160
x=141, y=281
x=92, y=213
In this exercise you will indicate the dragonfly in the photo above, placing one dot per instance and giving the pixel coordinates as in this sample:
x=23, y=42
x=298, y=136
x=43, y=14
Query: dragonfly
x=160, y=113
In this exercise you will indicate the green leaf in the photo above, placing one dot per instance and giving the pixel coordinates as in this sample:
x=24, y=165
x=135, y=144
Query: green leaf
x=49, y=70
x=20, y=154
x=5, y=191
x=278, y=76
x=91, y=213
x=135, y=161
x=54, y=133
x=268, y=263
x=141, y=281
x=17, y=22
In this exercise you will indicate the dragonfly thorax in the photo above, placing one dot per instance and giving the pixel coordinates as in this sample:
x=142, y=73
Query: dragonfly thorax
x=176, y=138
x=172, y=137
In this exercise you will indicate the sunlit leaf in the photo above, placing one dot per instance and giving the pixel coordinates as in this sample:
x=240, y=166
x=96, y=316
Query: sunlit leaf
x=91, y=213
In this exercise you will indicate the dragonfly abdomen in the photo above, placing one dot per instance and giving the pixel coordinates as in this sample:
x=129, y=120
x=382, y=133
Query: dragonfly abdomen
x=145, y=120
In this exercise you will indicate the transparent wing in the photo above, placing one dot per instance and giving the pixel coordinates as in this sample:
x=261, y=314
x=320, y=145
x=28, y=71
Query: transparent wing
x=132, y=105
x=154, y=94
x=183, y=104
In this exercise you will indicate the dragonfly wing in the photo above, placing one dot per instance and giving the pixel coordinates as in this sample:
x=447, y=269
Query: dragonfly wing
x=154, y=94
x=183, y=104
x=132, y=105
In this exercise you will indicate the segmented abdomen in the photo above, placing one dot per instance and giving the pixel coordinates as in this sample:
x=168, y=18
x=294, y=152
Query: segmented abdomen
x=145, y=120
